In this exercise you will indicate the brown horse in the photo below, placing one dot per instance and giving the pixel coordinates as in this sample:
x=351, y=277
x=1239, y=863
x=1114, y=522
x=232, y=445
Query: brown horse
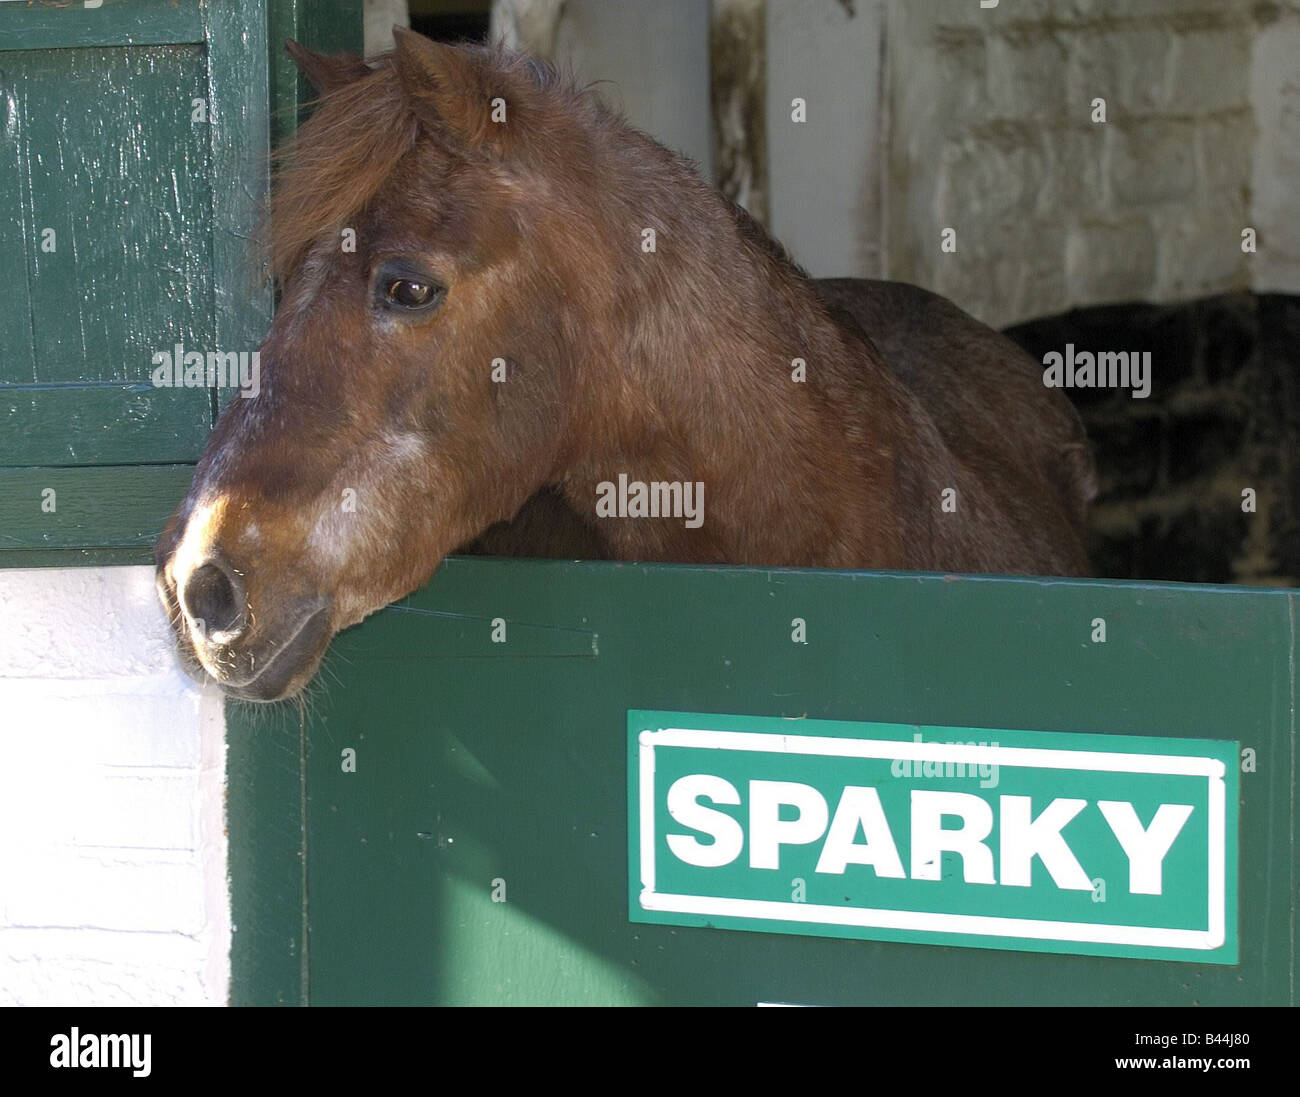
x=497, y=299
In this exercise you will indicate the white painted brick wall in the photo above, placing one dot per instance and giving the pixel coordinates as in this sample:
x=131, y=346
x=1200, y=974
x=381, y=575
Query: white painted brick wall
x=112, y=843
x=1275, y=176
x=990, y=133
x=926, y=114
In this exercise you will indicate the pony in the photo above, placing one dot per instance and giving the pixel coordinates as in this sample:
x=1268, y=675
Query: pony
x=498, y=300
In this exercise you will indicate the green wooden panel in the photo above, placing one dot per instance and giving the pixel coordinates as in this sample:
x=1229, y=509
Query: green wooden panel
x=87, y=424
x=330, y=26
x=154, y=216
x=101, y=507
x=153, y=213
x=141, y=556
x=122, y=183
x=113, y=22
x=17, y=358
x=474, y=767
x=264, y=798
x=239, y=90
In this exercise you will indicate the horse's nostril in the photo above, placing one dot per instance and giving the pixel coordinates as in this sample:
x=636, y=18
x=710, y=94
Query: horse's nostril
x=214, y=600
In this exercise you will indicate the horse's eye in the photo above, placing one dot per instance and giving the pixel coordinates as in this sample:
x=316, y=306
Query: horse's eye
x=410, y=295
x=406, y=287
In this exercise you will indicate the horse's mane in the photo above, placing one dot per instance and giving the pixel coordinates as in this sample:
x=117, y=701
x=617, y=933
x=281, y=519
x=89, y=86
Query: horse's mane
x=345, y=152
x=754, y=234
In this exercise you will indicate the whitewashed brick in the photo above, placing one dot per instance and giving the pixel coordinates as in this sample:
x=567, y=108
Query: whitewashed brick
x=1130, y=68
x=1027, y=77
x=982, y=180
x=1110, y=261
x=967, y=14
x=112, y=846
x=1275, y=167
x=990, y=127
x=1199, y=249
x=1075, y=180
x=1153, y=161
x=1225, y=147
x=956, y=85
x=58, y=886
x=104, y=808
x=1211, y=70
x=54, y=967
x=139, y=723
x=1015, y=268
x=83, y=623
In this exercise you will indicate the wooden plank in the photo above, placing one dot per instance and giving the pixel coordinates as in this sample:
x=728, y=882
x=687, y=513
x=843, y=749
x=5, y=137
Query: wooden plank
x=19, y=359
x=127, y=197
x=287, y=92
x=330, y=26
x=430, y=634
x=76, y=558
x=114, y=23
x=265, y=766
x=106, y=424
x=106, y=507
x=238, y=91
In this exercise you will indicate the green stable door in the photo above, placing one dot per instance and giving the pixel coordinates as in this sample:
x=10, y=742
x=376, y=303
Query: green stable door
x=555, y=783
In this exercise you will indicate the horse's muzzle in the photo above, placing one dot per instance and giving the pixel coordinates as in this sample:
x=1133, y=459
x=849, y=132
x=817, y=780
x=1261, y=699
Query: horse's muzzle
x=290, y=666
x=217, y=642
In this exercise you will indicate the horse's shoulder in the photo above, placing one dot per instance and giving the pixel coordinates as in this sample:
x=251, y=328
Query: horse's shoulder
x=983, y=393
x=895, y=313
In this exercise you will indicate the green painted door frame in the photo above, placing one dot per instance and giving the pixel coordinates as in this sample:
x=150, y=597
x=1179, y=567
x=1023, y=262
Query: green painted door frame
x=135, y=147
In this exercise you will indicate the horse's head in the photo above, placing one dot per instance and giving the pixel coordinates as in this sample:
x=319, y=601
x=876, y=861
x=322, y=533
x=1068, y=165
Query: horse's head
x=420, y=373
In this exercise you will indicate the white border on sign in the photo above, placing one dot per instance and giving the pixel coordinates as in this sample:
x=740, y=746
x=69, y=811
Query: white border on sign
x=981, y=925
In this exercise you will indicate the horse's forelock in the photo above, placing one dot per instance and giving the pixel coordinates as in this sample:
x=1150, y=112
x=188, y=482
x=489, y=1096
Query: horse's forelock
x=335, y=164
x=344, y=153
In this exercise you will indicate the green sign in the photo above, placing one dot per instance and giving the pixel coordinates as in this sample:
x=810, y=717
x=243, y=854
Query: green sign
x=1105, y=845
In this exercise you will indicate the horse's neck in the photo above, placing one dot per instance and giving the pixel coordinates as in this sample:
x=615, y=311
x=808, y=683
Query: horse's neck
x=734, y=376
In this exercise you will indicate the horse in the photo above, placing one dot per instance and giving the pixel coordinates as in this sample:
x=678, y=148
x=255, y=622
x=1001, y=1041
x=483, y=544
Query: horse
x=498, y=300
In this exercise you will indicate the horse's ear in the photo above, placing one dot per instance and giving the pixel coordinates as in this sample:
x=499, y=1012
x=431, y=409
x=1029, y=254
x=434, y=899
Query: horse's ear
x=448, y=87
x=324, y=73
